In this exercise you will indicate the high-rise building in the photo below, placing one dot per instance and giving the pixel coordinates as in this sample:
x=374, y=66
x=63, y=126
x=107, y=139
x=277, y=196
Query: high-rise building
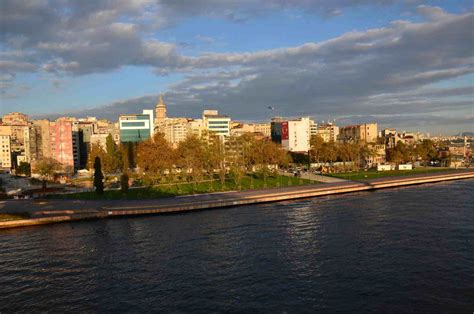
x=17, y=140
x=62, y=142
x=33, y=143
x=293, y=135
x=5, y=152
x=136, y=127
x=43, y=125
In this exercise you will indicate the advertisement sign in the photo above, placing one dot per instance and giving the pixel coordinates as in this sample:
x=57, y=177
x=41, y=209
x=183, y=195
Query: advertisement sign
x=284, y=130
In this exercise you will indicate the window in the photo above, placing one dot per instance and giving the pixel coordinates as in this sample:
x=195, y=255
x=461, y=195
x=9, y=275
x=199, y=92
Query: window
x=131, y=124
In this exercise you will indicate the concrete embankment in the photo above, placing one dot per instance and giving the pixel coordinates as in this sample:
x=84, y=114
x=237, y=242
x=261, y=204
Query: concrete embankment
x=62, y=211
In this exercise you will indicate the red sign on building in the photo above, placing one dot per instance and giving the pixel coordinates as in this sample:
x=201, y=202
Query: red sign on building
x=284, y=130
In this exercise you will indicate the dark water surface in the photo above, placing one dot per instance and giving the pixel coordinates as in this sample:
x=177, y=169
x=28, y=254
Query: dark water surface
x=408, y=249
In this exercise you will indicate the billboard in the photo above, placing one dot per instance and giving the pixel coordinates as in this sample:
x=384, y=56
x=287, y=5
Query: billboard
x=284, y=130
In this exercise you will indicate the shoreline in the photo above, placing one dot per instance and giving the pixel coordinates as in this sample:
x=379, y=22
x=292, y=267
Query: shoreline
x=49, y=212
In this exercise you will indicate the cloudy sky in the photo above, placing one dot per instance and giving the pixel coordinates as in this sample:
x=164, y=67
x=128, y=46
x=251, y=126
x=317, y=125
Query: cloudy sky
x=406, y=64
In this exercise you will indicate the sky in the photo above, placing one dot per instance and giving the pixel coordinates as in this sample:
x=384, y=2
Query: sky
x=405, y=64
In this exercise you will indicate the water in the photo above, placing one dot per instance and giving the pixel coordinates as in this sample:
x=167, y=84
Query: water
x=407, y=249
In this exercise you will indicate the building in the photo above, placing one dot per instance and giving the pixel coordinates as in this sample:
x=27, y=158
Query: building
x=313, y=128
x=15, y=118
x=260, y=129
x=33, y=143
x=175, y=130
x=160, y=111
x=17, y=140
x=99, y=139
x=93, y=131
x=136, y=127
x=378, y=156
x=366, y=132
x=328, y=132
x=293, y=135
x=5, y=152
x=215, y=123
x=62, y=142
x=263, y=128
x=197, y=127
x=44, y=130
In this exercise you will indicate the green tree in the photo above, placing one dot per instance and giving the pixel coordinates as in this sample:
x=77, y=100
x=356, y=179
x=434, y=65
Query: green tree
x=98, y=176
x=426, y=150
x=113, y=158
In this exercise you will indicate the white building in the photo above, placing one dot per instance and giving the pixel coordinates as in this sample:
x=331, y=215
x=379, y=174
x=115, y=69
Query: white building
x=215, y=123
x=313, y=128
x=293, y=135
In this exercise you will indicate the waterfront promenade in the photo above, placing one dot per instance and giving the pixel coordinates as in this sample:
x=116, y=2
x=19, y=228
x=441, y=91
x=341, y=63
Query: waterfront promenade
x=53, y=211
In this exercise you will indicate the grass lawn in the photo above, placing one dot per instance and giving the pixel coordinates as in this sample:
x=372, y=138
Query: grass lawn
x=189, y=188
x=373, y=174
x=8, y=217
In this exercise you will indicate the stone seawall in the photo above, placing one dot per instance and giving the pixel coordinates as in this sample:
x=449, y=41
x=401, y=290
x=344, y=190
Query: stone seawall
x=107, y=209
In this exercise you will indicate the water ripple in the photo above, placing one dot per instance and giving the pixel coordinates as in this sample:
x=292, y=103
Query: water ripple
x=398, y=250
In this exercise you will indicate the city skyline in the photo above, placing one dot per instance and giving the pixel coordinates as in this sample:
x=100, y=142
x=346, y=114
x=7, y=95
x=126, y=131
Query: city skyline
x=405, y=65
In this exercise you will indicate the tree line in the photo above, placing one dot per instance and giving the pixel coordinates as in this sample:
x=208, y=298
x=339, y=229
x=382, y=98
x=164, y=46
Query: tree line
x=195, y=159
x=359, y=152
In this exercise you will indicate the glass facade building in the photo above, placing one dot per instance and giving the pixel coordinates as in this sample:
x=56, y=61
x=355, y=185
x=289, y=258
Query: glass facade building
x=136, y=127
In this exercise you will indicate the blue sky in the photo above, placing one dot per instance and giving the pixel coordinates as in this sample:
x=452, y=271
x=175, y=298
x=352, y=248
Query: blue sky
x=404, y=64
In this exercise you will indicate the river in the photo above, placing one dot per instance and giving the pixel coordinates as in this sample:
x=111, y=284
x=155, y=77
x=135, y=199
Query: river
x=397, y=250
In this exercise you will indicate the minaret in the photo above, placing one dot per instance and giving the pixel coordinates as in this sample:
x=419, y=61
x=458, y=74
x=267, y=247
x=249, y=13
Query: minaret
x=160, y=111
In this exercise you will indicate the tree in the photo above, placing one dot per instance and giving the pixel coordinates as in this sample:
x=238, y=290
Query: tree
x=367, y=153
x=216, y=158
x=46, y=169
x=426, y=150
x=24, y=169
x=316, y=144
x=98, y=176
x=401, y=153
x=271, y=154
x=235, y=160
x=329, y=152
x=191, y=156
x=113, y=160
x=129, y=155
x=155, y=156
x=95, y=151
x=124, y=182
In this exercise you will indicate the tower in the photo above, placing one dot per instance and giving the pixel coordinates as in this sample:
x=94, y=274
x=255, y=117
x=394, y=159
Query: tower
x=160, y=111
